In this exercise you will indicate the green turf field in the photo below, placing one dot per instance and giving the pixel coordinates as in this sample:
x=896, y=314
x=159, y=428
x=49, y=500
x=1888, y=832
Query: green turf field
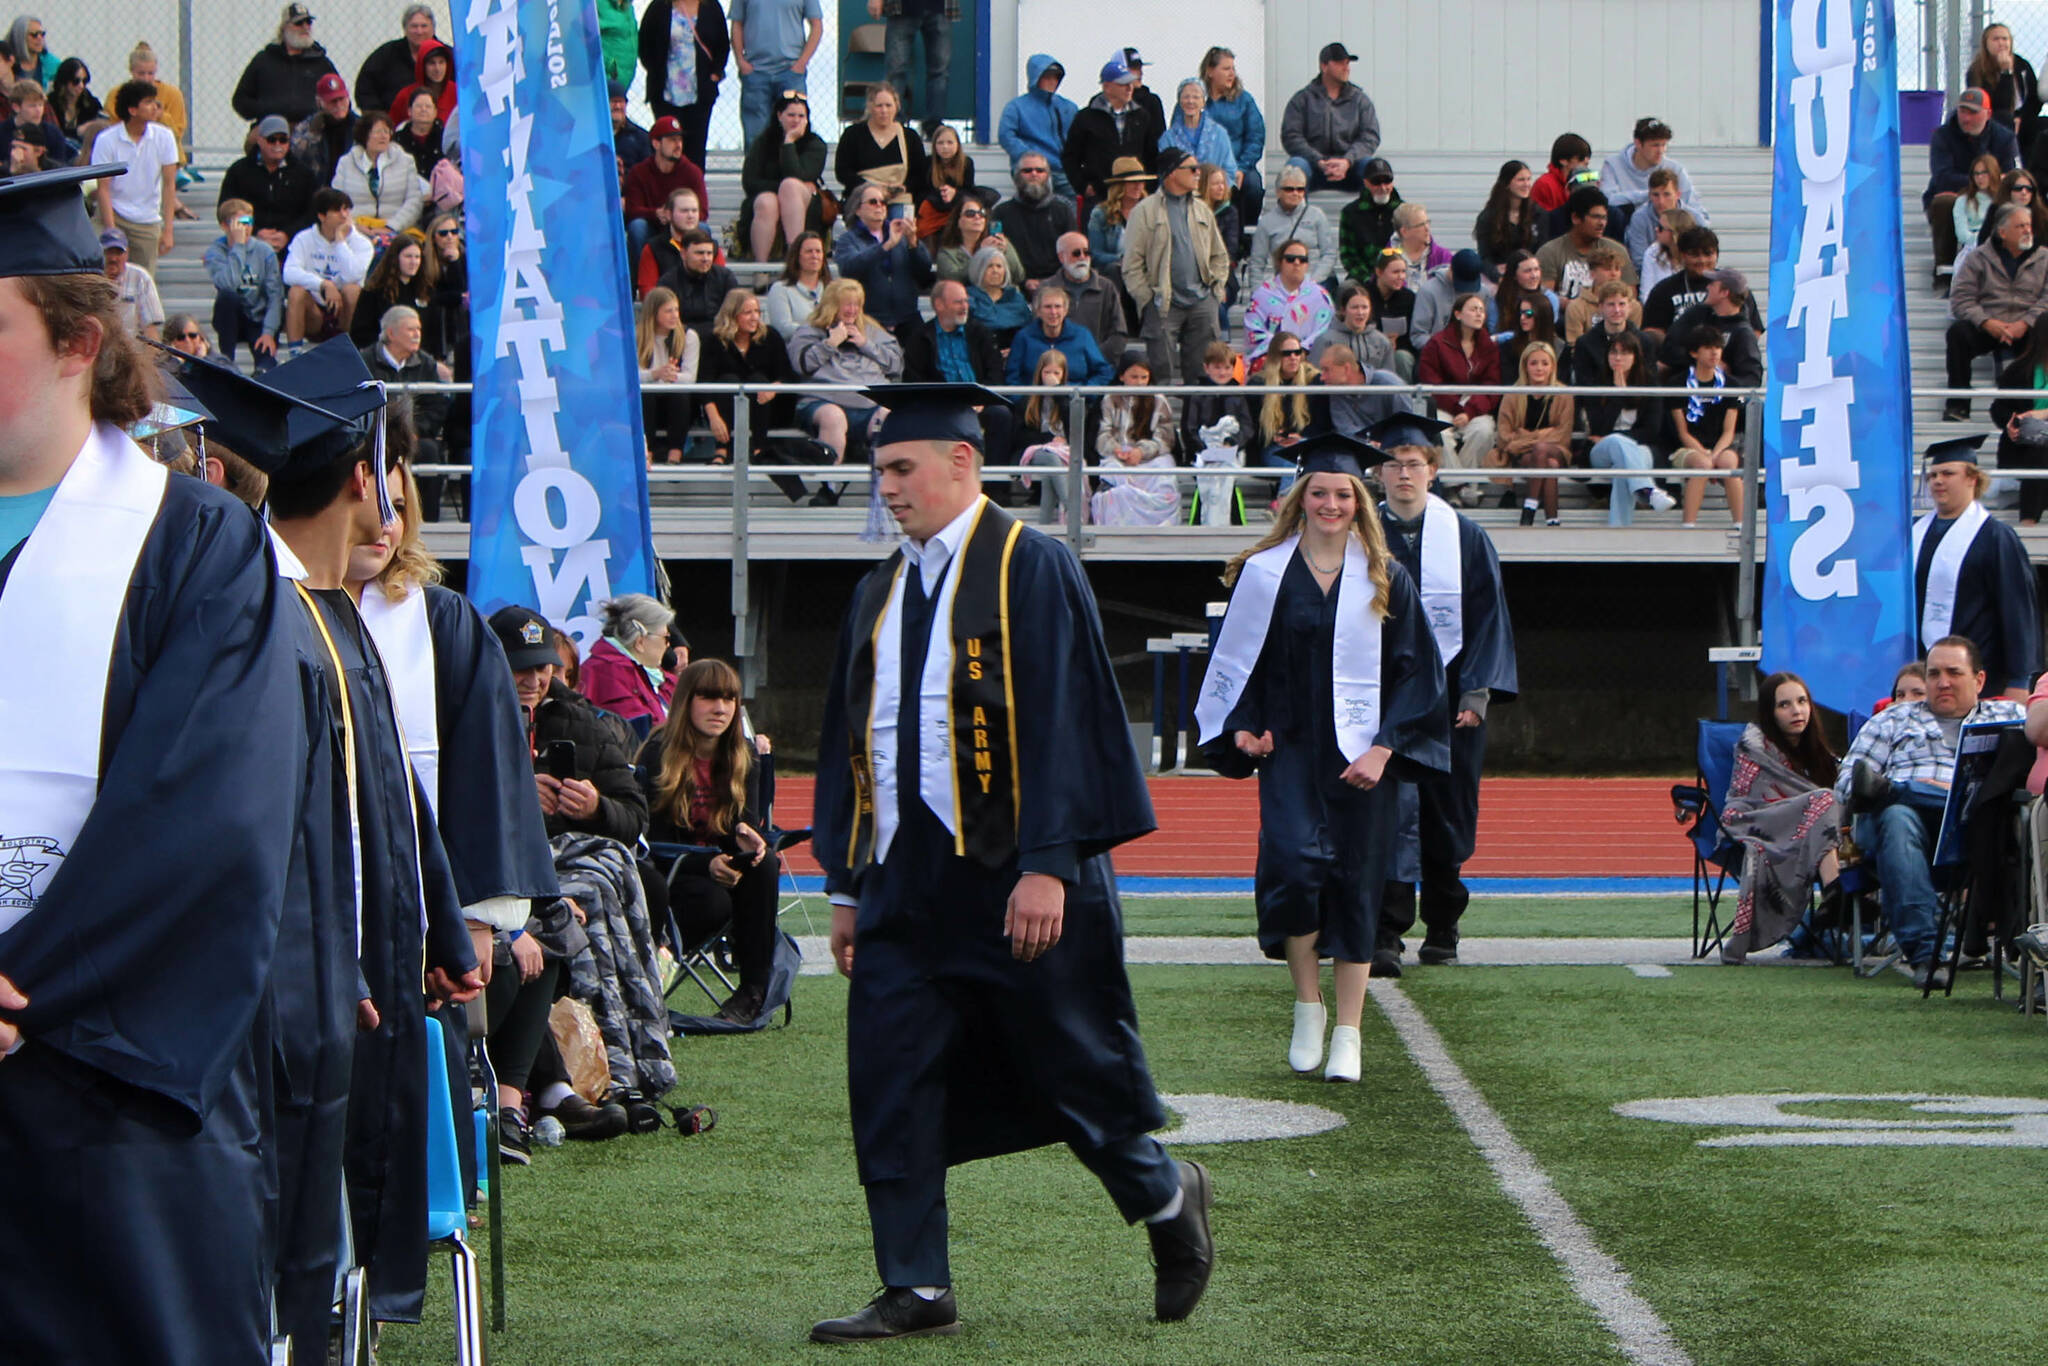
x=1387, y=1240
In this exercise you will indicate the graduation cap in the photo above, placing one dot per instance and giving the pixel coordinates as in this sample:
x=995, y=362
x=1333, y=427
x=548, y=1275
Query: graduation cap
x=1405, y=429
x=1955, y=450
x=168, y=424
x=44, y=228
x=1333, y=452
x=295, y=421
x=931, y=412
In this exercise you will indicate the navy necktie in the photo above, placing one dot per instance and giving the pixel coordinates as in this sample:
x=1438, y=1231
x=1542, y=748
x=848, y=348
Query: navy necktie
x=917, y=625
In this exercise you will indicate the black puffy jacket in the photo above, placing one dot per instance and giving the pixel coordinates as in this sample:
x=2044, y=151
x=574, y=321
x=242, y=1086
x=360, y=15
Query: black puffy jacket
x=276, y=81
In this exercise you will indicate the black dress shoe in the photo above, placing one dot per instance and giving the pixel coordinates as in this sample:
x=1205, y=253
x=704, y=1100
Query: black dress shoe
x=589, y=1123
x=1386, y=963
x=898, y=1312
x=1437, y=955
x=1182, y=1251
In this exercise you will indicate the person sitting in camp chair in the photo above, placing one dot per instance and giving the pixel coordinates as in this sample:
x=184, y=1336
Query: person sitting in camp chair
x=702, y=780
x=1897, y=775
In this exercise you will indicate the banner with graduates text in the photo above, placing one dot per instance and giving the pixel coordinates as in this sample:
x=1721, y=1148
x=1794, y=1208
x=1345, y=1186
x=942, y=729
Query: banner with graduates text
x=558, y=504
x=1838, y=425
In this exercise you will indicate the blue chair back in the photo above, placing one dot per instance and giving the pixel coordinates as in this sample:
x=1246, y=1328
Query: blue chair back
x=1857, y=721
x=1715, y=756
x=447, y=1210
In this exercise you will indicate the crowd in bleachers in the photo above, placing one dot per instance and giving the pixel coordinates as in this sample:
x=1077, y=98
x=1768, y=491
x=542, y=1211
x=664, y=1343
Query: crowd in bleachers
x=1177, y=243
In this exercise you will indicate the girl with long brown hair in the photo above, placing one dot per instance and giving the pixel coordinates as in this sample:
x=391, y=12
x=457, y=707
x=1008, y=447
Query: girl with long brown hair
x=1326, y=683
x=702, y=784
x=1781, y=809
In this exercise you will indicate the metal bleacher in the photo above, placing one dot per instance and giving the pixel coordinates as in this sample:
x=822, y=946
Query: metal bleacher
x=694, y=520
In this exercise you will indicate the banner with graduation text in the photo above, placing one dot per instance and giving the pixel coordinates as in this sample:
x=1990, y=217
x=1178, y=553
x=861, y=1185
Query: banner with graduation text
x=558, y=504
x=1838, y=424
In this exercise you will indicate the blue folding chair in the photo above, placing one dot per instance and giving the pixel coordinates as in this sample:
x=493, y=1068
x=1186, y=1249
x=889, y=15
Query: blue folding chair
x=447, y=1202
x=1715, y=857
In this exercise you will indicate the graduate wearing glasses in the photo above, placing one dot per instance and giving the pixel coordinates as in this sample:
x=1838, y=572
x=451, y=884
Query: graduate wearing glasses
x=1452, y=561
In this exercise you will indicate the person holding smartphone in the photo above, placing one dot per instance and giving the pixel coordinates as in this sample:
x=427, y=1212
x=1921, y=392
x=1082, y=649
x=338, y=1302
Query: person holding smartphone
x=702, y=782
x=582, y=765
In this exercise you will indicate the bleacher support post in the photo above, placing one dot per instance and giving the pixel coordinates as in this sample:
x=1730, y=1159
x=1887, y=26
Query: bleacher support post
x=743, y=643
x=1752, y=481
x=1077, y=472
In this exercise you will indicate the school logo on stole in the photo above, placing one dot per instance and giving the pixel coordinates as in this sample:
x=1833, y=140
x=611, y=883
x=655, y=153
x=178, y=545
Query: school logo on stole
x=27, y=864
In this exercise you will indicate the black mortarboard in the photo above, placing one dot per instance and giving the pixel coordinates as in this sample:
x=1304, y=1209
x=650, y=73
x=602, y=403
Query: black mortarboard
x=1335, y=453
x=298, y=419
x=44, y=228
x=1404, y=429
x=1955, y=450
x=931, y=412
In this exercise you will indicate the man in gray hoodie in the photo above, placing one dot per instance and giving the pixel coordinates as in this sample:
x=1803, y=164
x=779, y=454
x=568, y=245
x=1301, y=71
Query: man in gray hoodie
x=1330, y=128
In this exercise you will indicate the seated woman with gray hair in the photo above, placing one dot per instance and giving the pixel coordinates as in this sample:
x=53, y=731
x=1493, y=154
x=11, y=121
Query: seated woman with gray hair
x=629, y=672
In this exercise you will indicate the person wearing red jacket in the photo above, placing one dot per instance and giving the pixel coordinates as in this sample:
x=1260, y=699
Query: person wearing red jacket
x=1463, y=353
x=647, y=186
x=434, y=72
x=1569, y=155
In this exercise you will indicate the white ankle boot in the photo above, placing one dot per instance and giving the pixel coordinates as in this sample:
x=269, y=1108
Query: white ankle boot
x=1344, y=1054
x=1306, y=1048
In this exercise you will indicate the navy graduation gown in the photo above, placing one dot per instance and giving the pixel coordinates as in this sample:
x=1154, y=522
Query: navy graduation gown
x=1032, y=1053
x=316, y=985
x=132, y=1119
x=403, y=870
x=1996, y=606
x=1325, y=847
x=1447, y=805
x=488, y=811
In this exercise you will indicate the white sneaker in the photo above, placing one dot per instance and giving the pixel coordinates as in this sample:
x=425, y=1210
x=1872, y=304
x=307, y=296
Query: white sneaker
x=1662, y=501
x=1344, y=1054
x=1469, y=495
x=1305, y=1050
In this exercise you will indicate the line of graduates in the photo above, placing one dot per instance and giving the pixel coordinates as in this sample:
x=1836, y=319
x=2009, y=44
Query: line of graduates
x=227, y=899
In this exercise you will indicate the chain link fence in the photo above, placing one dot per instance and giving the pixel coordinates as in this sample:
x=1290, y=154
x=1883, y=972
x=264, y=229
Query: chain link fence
x=202, y=46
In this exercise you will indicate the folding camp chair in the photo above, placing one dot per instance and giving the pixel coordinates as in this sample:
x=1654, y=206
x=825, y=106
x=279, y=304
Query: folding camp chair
x=490, y=1158
x=781, y=840
x=447, y=1205
x=1715, y=857
x=694, y=959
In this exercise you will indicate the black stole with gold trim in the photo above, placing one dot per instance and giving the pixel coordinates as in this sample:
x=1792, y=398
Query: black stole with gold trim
x=980, y=700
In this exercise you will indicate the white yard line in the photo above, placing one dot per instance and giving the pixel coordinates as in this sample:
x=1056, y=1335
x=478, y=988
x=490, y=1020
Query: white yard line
x=1595, y=1277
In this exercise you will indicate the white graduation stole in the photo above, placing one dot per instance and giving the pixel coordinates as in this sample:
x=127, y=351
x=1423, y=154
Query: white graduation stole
x=1939, y=610
x=1443, y=577
x=65, y=598
x=1355, y=661
x=935, y=770
x=405, y=642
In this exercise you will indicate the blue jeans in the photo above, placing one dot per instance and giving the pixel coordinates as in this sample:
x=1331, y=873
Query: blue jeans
x=639, y=232
x=1279, y=457
x=1353, y=178
x=1901, y=839
x=758, y=92
x=1251, y=201
x=1618, y=452
x=233, y=326
x=938, y=61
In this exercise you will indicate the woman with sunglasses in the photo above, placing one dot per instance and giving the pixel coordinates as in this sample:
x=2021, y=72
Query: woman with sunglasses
x=702, y=779
x=780, y=179
x=2022, y=188
x=965, y=233
x=1289, y=302
x=72, y=101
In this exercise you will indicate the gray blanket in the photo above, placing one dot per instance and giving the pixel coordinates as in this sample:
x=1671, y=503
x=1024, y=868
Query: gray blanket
x=617, y=975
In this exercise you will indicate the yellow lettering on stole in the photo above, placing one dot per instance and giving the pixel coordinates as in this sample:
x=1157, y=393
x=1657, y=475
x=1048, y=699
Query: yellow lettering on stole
x=974, y=647
x=980, y=717
x=984, y=784
x=984, y=762
x=974, y=670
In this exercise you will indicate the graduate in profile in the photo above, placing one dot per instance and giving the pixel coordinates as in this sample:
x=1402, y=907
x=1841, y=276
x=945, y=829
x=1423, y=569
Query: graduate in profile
x=1326, y=683
x=976, y=768
x=148, y=791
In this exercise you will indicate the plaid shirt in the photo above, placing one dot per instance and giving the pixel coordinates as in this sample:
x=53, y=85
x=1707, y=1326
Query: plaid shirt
x=1906, y=743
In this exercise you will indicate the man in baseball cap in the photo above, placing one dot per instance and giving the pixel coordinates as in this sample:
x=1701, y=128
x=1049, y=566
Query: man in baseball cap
x=281, y=79
x=1141, y=92
x=1330, y=129
x=324, y=138
x=647, y=186
x=1969, y=133
x=1115, y=124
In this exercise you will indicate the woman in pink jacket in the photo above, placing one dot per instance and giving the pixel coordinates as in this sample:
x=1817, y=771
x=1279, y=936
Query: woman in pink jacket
x=624, y=672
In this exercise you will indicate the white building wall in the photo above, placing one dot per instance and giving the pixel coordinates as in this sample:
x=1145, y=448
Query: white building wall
x=1446, y=75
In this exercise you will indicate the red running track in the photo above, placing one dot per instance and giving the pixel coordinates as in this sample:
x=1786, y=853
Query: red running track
x=1528, y=827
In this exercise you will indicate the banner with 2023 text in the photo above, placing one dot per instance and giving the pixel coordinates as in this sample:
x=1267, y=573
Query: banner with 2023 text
x=1838, y=424
x=558, y=518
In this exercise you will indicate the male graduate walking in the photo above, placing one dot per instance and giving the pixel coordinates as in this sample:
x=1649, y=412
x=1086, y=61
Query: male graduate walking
x=975, y=770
